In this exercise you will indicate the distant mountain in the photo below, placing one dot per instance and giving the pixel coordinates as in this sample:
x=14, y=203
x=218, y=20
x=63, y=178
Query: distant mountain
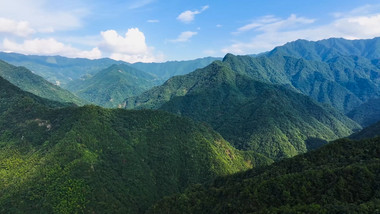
x=111, y=86
x=63, y=70
x=26, y=80
x=344, y=82
x=368, y=132
x=93, y=160
x=58, y=68
x=341, y=177
x=367, y=113
x=165, y=70
x=252, y=115
x=327, y=49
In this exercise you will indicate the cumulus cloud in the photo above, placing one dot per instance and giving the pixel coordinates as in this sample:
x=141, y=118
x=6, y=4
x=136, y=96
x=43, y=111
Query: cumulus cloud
x=131, y=47
x=188, y=15
x=269, y=32
x=48, y=47
x=184, y=36
x=18, y=28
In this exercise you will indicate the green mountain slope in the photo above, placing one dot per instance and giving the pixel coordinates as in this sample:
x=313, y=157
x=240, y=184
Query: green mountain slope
x=165, y=70
x=342, y=177
x=344, y=82
x=94, y=160
x=27, y=81
x=64, y=70
x=326, y=49
x=111, y=86
x=368, y=132
x=252, y=115
x=58, y=68
x=366, y=114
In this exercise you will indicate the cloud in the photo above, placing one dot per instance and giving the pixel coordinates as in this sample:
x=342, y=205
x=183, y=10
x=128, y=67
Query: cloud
x=271, y=23
x=218, y=25
x=153, y=21
x=48, y=47
x=269, y=32
x=188, y=15
x=18, y=28
x=184, y=36
x=130, y=48
x=43, y=15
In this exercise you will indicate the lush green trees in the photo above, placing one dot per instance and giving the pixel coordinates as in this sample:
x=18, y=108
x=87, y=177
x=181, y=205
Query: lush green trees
x=270, y=119
x=89, y=159
x=341, y=177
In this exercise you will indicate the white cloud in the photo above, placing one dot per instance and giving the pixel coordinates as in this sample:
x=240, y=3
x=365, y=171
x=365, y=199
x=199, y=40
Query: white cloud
x=43, y=15
x=131, y=48
x=48, y=47
x=188, y=15
x=271, y=23
x=218, y=25
x=153, y=21
x=18, y=28
x=184, y=36
x=269, y=32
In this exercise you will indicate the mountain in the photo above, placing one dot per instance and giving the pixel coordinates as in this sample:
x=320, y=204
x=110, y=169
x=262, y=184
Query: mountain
x=26, y=80
x=344, y=82
x=63, y=70
x=165, y=70
x=57, y=159
x=111, y=86
x=368, y=132
x=326, y=49
x=341, y=177
x=367, y=113
x=252, y=115
x=58, y=69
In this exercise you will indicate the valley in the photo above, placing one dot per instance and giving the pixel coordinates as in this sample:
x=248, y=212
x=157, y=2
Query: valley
x=228, y=107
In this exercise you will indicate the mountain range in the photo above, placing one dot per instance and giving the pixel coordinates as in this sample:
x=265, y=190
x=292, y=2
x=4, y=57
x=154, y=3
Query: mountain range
x=111, y=86
x=242, y=134
x=67, y=159
x=252, y=115
x=28, y=81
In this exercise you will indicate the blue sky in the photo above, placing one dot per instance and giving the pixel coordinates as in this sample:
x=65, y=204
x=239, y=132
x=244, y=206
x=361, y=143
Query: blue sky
x=158, y=30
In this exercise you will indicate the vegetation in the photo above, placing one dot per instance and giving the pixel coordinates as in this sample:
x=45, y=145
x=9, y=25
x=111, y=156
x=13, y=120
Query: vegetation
x=169, y=69
x=27, y=81
x=111, y=86
x=58, y=68
x=368, y=132
x=343, y=82
x=366, y=114
x=341, y=177
x=326, y=49
x=252, y=115
x=88, y=159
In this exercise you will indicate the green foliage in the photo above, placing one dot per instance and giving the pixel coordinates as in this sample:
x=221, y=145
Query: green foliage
x=111, y=86
x=252, y=115
x=341, y=177
x=343, y=82
x=27, y=81
x=56, y=159
x=366, y=114
x=368, y=132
